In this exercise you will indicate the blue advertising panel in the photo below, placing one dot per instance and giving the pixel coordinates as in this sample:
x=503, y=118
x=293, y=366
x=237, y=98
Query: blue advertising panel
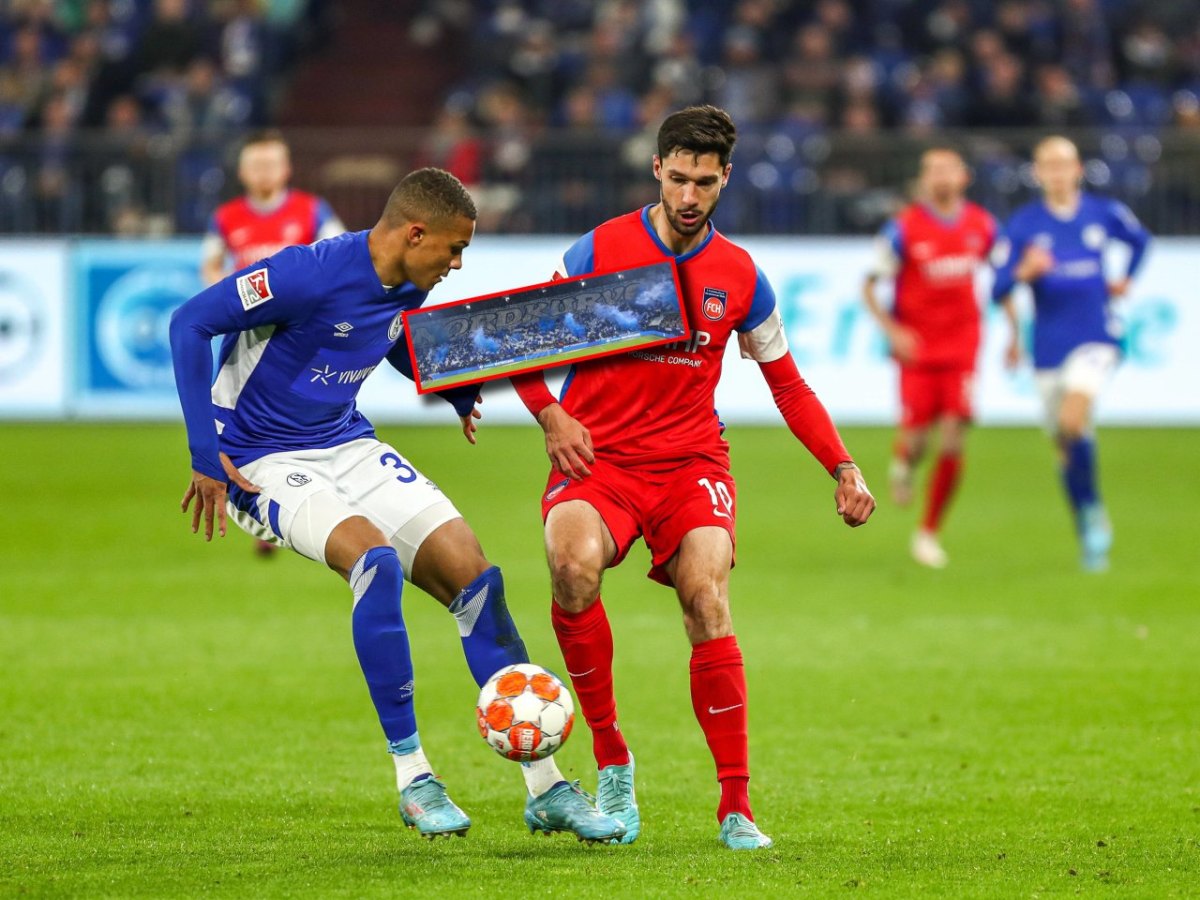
x=125, y=293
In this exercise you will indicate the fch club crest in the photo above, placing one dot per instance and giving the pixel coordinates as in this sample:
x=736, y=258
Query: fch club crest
x=712, y=303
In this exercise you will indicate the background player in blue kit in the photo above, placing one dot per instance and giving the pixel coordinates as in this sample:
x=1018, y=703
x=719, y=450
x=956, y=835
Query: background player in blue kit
x=291, y=456
x=1056, y=246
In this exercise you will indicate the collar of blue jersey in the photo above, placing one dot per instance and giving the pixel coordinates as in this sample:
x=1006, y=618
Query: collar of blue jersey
x=649, y=226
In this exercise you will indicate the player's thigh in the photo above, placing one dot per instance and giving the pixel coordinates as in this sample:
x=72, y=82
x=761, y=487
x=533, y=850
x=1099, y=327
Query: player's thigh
x=700, y=495
x=380, y=484
x=298, y=505
x=590, y=522
x=1049, y=384
x=918, y=398
x=956, y=408
x=1085, y=373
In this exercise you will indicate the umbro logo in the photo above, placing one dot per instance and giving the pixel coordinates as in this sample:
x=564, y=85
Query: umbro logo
x=343, y=329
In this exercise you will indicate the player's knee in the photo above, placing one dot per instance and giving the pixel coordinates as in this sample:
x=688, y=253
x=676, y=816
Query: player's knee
x=1072, y=426
x=349, y=541
x=707, y=619
x=576, y=580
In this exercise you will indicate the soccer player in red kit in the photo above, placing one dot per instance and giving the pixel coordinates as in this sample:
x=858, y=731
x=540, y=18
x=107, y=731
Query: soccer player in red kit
x=933, y=250
x=267, y=218
x=637, y=450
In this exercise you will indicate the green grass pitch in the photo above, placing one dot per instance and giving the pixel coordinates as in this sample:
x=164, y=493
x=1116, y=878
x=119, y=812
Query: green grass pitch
x=179, y=719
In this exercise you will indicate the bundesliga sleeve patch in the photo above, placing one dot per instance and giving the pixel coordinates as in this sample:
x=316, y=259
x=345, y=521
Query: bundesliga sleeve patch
x=254, y=289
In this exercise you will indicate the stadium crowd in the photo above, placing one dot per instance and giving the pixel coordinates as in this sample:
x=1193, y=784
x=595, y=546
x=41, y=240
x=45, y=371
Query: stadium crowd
x=150, y=76
x=552, y=121
x=820, y=91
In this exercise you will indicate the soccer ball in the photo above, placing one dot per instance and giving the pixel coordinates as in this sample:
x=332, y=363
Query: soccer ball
x=525, y=712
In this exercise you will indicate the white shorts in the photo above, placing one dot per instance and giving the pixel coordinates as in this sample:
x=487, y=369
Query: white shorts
x=1086, y=370
x=306, y=494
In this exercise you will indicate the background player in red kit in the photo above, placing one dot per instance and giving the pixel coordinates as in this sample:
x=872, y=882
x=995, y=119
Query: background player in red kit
x=268, y=217
x=933, y=250
x=637, y=450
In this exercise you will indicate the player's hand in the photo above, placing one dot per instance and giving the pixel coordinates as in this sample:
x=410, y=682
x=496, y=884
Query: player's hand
x=1035, y=262
x=468, y=422
x=854, y=502
x=209, y=494
x=1012, y=354
x=1118, y=288
x=904, y=343
x=568, y=443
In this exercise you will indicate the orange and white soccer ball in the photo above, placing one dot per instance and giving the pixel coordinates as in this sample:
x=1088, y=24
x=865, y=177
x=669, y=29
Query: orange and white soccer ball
x=525, y=712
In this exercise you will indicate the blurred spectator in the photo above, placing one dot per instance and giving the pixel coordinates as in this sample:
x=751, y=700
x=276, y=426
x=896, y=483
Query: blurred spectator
x=559, y=100
x=451, y=144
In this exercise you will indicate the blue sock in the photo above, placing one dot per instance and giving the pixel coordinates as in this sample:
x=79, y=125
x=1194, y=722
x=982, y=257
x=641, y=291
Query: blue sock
x=1079, y=473
x=381, y=641
x=489, y=635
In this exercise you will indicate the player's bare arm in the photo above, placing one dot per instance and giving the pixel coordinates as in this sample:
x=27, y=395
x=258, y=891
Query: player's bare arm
x=568, y=442
x=902, y=339
x=209, y=494
x=1119, y=288
x=854, y=501
x=1012, y=353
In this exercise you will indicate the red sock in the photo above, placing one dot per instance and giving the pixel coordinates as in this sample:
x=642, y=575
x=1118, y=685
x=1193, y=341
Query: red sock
x=941, y=488
x=587, y=647
x=719, y=700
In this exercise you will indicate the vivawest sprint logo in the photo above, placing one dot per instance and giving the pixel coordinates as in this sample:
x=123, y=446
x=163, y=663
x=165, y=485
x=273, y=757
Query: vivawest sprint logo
x=327, y=375
x=712, y=304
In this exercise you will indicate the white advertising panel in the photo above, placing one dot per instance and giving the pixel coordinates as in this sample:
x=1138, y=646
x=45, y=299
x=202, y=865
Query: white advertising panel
x=33, y=369
x=839, y=349
x=118, y=364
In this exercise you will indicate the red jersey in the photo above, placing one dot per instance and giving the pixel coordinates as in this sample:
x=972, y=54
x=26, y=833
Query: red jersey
x=657, y=405
x=935, y=262
x=250, y=234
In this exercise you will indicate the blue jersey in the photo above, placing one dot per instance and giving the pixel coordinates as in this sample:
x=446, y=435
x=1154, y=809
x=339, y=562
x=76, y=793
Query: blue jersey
x=1071, y=300
x=302, y=329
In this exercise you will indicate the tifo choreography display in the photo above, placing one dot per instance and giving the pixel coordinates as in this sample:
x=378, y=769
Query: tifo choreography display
x=545, y=325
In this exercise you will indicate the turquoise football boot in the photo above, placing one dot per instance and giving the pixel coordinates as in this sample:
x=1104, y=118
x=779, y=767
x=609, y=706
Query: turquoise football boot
x=739, y=833
x=425, y=806
x=1096, y=536
x=566, y=807
x=617, y=800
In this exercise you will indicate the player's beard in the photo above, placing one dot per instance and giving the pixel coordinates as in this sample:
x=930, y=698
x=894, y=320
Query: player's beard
x=678, y=224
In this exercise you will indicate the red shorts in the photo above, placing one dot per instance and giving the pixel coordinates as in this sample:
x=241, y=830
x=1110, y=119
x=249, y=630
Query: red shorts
x=928, y=394
x=659, y=505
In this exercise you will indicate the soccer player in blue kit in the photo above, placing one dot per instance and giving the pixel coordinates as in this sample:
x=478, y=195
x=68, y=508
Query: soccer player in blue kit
x=1056, y=246
x=278, y=440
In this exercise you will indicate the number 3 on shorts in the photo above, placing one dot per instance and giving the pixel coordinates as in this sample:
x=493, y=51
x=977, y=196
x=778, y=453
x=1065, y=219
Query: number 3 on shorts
x=406, y=472
x=718, y=492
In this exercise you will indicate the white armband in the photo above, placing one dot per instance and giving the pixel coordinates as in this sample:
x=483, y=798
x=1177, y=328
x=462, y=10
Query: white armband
x=766, y=342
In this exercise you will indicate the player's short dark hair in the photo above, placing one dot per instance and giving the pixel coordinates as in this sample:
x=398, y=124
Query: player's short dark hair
x=264, y=136
x=428, y=195
x=698, y=130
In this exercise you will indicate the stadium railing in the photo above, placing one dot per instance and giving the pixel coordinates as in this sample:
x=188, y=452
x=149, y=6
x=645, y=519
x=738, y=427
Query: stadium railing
x=787, y=179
